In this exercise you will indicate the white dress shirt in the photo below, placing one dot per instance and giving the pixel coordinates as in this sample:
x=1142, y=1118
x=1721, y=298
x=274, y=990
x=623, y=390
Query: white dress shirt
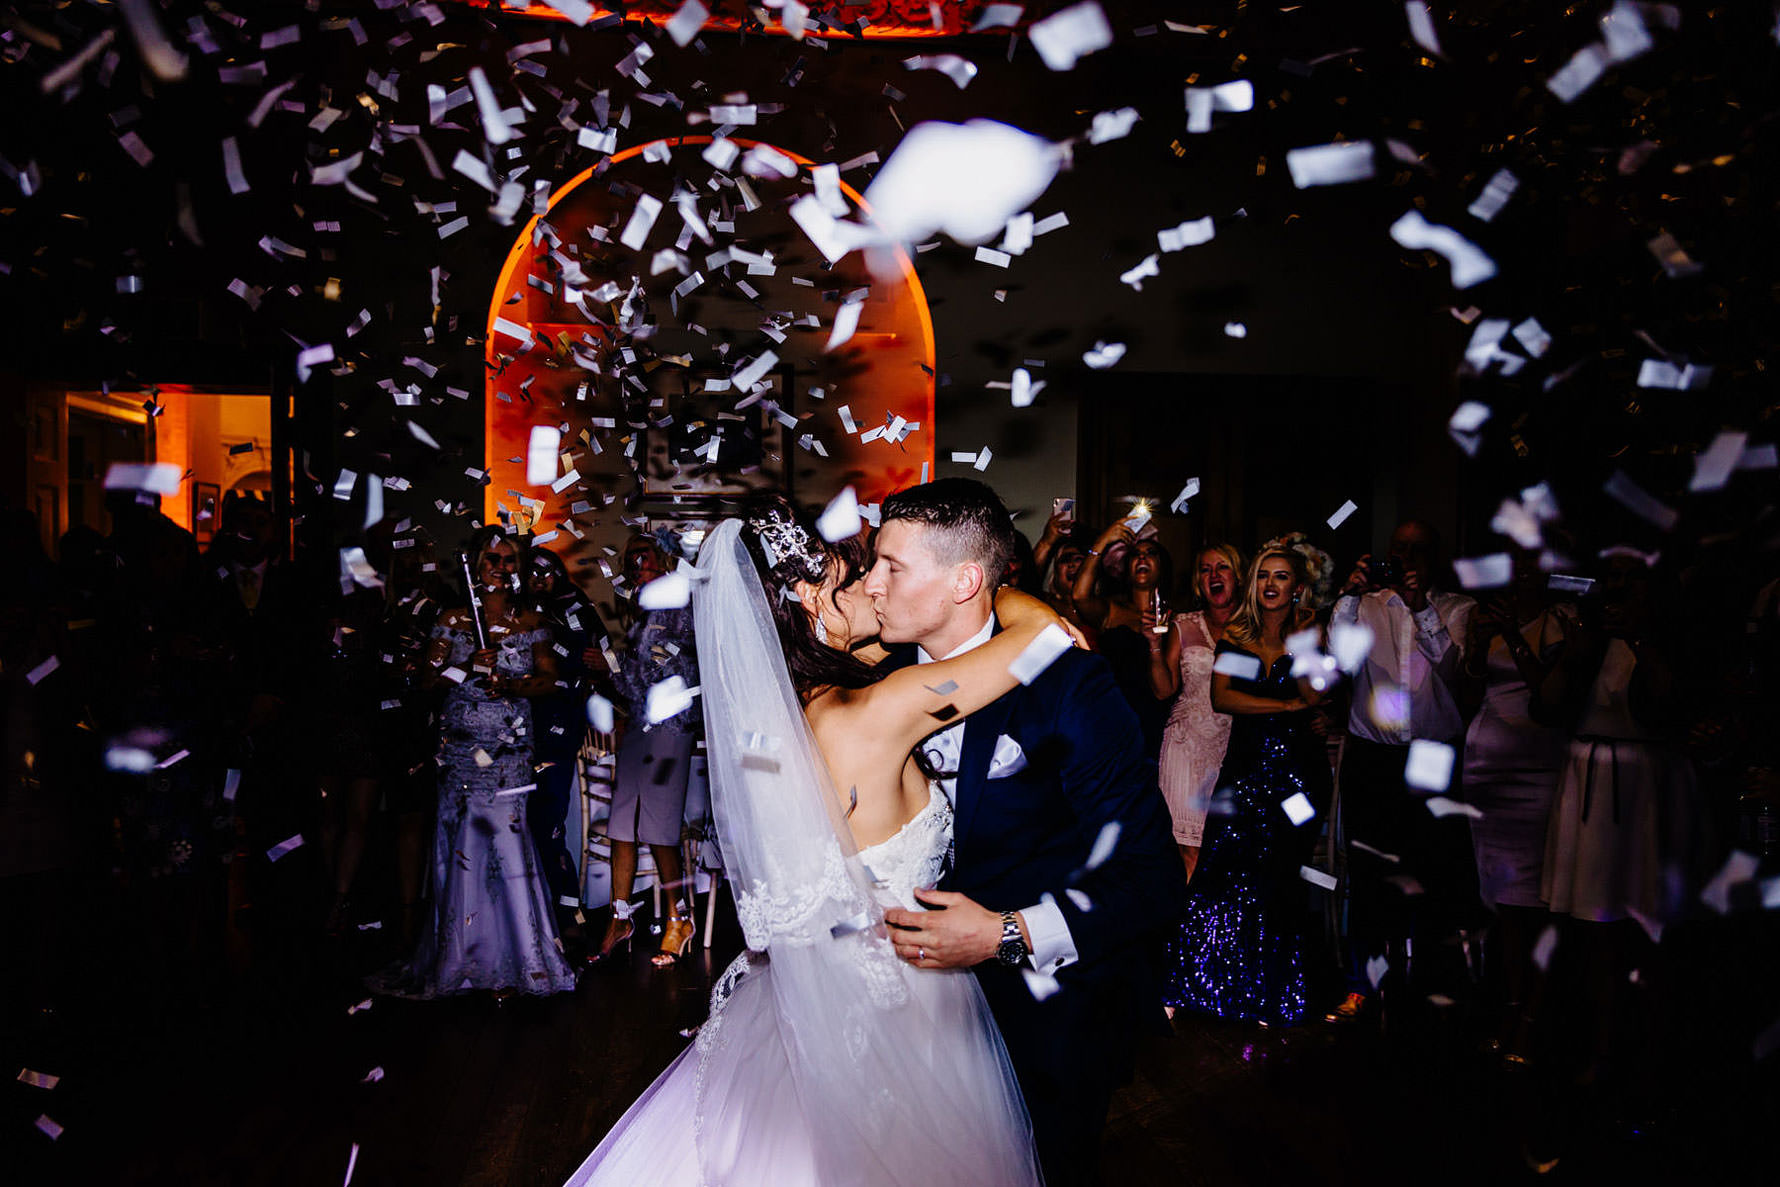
x=1052, y=945
x=1404, y=689
x=944, y=748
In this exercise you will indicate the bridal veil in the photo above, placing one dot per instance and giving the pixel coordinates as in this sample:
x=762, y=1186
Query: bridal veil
x=825, y=1059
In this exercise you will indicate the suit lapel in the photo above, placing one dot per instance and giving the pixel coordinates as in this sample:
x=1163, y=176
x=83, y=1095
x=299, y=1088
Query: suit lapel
x=980, y=731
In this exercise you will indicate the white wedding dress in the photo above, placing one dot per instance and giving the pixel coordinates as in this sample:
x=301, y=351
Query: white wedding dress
x=826, y=1061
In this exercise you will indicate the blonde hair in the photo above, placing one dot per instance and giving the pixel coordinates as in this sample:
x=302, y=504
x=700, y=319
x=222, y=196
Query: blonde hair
x=1229, y=552
x=1246, y=625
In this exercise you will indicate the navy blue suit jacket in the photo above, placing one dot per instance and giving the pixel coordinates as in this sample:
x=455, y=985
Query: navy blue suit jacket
x=1029, y=834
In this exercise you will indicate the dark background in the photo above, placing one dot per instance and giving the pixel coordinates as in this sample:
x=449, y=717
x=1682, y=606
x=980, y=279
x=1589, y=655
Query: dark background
x=1344, y=381
x=115, y=275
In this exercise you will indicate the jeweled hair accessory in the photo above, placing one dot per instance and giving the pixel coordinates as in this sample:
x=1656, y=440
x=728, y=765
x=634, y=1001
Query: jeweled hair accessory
x=788, y=545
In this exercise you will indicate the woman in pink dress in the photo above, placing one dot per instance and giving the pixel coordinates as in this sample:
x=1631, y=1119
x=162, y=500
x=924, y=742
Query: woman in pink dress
x=1194, y=739
x=1623, y=844
x=1514, y=753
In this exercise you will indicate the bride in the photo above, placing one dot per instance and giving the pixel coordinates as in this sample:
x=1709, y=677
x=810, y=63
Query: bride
x=825, y=1059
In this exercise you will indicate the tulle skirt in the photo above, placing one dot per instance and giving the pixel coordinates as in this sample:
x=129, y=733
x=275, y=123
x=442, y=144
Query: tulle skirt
x=745, y=1106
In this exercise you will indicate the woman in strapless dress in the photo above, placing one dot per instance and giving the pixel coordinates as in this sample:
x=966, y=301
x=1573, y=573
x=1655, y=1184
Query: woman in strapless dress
x=826, y=1059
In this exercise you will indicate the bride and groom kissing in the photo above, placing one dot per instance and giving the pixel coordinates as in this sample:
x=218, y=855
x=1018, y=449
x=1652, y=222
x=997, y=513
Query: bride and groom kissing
x=951, y=879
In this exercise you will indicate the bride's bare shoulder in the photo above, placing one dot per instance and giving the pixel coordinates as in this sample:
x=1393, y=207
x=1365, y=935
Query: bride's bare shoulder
x=851, y=738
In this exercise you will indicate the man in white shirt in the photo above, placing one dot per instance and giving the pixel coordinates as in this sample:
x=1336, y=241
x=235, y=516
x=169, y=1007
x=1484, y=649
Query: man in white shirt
x=1404, y=692
x=1065, y=872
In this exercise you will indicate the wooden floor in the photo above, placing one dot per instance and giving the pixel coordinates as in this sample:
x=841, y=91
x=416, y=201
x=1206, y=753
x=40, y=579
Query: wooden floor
x=266, y=1079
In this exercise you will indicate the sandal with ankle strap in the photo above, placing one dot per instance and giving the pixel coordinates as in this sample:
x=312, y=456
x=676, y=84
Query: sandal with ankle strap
x=676, y=938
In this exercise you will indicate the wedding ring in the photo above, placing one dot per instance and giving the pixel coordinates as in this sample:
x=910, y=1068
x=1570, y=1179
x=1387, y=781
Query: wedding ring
x=920, y=955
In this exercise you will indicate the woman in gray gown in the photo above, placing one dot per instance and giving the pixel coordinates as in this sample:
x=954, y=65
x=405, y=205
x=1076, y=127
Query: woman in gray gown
x=491, y=925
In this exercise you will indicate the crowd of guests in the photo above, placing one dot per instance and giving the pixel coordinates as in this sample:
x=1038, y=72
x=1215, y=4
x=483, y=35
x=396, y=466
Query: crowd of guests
x=275, y=752
x=1390, y=792
x=1386, y=790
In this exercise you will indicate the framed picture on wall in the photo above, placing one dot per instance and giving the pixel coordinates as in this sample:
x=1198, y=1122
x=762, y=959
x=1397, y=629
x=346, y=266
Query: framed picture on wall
x=206, y=508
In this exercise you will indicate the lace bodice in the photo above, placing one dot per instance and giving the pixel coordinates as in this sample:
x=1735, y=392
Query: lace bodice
x=471, y=711
x=1192, y=711
x=912, y=858
x=791, y=909
x=915, y=856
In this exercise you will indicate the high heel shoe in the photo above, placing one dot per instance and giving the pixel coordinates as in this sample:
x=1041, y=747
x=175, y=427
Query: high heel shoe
x=676, y=938
x=1350, y=1010
x=618, y=931
x=1517, y=1049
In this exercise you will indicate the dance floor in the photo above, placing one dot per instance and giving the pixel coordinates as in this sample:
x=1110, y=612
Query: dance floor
x=279, y=1079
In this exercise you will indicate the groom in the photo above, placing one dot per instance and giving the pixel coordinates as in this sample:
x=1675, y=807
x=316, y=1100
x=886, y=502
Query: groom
x=1064, y=871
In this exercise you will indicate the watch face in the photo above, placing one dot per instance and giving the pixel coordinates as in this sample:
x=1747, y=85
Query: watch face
x=1011, y=952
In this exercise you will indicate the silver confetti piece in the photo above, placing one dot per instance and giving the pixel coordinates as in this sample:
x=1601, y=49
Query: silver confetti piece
x=854, y=923
x=1429, y=766
x=1320, y=878
x=1442, y=807
x=1330, y=164
x=1485, y=572
x=1496, y=192
x=1229, y=96
x=1298, y=808
x=1640, y=502
x=1067, y=36
x=1469, y=264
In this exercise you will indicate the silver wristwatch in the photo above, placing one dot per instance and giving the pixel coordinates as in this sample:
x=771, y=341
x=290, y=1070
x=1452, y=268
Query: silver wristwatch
x=1012, y=949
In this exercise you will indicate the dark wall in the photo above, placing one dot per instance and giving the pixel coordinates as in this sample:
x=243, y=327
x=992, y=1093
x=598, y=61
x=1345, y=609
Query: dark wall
x=119, y=272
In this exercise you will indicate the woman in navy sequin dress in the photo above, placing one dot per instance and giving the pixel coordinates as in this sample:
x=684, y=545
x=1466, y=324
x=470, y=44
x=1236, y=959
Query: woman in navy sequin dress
x=1239, y=952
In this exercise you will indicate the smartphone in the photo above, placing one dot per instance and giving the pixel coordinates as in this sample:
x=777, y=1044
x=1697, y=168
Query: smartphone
x=1063, y=507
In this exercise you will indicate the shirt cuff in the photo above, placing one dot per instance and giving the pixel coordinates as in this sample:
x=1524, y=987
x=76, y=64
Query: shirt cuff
x=1053, y=947
x=1429, y=621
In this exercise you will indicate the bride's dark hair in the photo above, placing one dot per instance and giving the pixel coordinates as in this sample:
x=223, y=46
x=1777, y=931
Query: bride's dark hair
x=786, y=549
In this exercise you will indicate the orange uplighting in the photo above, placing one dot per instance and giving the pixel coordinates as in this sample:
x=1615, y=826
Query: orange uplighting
x=221, y=442
x=173, y=431
x=882, y=20
x=874, y=470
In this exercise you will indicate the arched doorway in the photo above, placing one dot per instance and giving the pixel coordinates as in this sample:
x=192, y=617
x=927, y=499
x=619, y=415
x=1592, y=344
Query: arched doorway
x=633, y=352
x=650, y=360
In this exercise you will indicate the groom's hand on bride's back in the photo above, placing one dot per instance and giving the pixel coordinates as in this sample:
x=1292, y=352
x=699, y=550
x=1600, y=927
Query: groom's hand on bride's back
x=955, y=933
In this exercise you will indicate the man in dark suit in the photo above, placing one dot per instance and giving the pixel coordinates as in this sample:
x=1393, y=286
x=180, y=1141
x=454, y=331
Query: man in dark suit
x=1064, y=870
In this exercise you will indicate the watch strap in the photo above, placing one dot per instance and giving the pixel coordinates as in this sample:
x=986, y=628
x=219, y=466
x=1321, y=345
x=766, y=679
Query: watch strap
x=1011, y=939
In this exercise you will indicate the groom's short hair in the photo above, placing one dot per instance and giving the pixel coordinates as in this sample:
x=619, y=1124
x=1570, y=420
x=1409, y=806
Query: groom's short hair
x=966, y=521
